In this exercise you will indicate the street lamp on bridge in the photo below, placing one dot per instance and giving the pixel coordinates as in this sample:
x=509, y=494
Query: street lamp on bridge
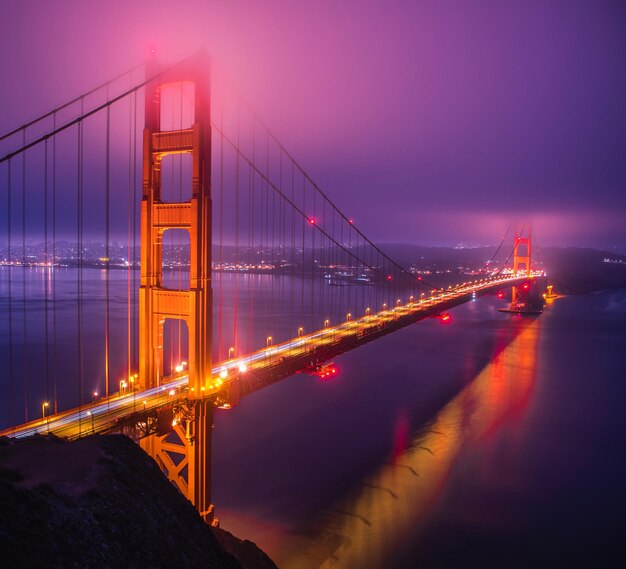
x=268, y=343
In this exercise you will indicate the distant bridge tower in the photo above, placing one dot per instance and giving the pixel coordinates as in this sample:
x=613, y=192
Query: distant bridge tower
x=193, y=305
x=521, y=265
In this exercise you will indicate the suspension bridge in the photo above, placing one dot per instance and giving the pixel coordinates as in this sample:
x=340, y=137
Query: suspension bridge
x=165, y=255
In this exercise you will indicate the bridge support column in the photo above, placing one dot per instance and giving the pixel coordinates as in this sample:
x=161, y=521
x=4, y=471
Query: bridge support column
x=183, y=452
x=193, y=305
x=521, y=297
x=521, y=263
x=199, y=460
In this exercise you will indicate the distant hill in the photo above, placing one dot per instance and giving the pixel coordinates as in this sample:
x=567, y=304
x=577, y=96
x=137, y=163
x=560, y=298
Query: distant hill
x=451, y=256
x=572, y=270
x=575, y=270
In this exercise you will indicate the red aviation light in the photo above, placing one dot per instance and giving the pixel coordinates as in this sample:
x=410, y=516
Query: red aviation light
x=445, y=317
x=525, y=286
x=389, y=277
x=312, y=220
x=500, y=294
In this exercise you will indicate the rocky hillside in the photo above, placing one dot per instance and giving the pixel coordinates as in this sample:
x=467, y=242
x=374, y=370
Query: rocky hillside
x=102, y=502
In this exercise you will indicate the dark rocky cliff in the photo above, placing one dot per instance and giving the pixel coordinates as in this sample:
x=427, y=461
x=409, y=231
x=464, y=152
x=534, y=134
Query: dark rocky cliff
x=102, y=502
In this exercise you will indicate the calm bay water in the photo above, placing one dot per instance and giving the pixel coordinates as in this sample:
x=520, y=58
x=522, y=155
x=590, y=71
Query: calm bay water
x=494, y=441
x=490, y=441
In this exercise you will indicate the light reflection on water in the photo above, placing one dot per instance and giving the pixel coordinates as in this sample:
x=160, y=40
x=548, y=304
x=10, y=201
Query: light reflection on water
x=371, y=529
x=493, y=442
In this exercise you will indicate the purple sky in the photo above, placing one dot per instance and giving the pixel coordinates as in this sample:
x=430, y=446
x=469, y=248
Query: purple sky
x=427, y=122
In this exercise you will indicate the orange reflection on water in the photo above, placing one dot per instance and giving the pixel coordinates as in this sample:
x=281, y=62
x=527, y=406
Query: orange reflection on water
x=394, y=502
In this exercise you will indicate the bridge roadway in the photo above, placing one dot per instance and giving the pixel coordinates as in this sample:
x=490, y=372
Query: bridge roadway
x=255, y=370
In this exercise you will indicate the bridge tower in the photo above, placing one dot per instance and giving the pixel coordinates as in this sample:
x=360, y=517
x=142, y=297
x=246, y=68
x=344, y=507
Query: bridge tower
x=521, y=264
x=192, y=305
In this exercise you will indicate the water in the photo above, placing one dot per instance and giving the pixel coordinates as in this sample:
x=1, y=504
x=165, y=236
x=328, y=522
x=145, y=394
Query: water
x=490, y=441
x=40, y=307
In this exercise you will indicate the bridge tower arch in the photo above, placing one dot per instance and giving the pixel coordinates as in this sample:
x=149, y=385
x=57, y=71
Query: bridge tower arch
x=194, y=306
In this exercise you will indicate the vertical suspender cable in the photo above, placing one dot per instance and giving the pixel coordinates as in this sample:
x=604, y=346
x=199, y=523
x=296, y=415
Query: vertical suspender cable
x=314, y=218
x=128, y=242
x=236, y=272
x=107, y=248
x=54, y=267
x=248, y=276
x=282, y=237
x=273, y=249
x=264, y=233
x=180, y=237
x=25, y=326
x=134, y=264
x=10, y=279
x=220, y=314
x=292, y=259
x=79, y=238
x=46, y=271
x=252, y=252
x=331, y=263
x=302, y=262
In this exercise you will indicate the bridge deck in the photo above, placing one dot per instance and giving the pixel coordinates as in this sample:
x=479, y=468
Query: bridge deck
x=254, y=371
